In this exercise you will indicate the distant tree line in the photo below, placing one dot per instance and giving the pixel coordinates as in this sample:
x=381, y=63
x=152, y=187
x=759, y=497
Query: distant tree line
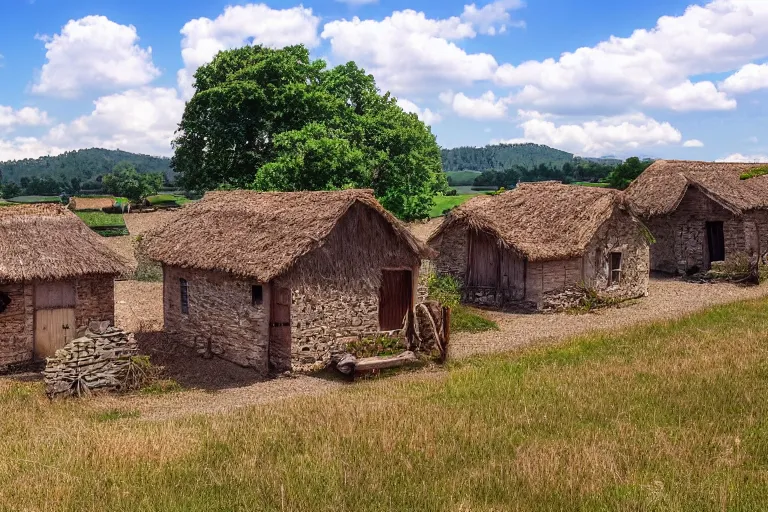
x=502, y=156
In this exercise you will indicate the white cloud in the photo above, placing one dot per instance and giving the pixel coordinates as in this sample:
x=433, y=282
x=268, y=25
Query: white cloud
x=606, y=135
x=651, y=67
x=140, y=120
x=749, y=78
x=26, y=116
x=357, y=2
x=487, y=106
x=20, y=148
x=493, y=18
x=739, y=158
x=239, y=25
x=426, y=115
x=693, y=143
x=94, y=53
x=408, y=51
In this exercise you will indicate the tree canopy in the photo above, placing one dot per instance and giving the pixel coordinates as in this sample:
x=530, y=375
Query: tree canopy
x=276, y=120
x=125, y=181
x=627, y=172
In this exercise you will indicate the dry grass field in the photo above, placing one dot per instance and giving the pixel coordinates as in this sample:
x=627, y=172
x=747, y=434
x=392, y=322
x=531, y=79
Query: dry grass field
x=668, y=416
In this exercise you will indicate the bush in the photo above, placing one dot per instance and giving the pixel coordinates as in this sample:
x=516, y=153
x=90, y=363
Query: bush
x=452, y=192
x=445, y=289
x=382, y=345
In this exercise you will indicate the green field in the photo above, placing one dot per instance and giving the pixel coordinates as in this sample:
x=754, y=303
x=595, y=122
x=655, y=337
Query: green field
x=442, y=203
x=670, y=416
x=35, y=199
x=590, y=184
x=462, y=178
x=165, y=199
x=97, y=219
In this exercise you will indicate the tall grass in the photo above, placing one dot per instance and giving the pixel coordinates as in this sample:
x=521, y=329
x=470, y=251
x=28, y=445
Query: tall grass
x=672, y=416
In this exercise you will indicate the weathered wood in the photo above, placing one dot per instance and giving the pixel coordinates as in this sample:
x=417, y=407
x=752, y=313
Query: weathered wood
x=383, y=362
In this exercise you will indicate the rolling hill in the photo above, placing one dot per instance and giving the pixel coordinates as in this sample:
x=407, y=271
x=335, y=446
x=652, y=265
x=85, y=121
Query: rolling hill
x=504, y=156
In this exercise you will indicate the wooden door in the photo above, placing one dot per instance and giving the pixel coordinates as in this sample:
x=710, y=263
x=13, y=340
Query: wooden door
x=54, y=316
x=395, y=298
x=715, y=241
x=482, y=261
x=54, y=328
x=280, y=329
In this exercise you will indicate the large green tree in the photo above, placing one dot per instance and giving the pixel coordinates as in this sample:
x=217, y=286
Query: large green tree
x=625, y=173
x=125, y=181
x=276, y=120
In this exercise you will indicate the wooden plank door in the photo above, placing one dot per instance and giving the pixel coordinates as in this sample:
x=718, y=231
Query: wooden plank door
x=395, y=298
x=280, y=329
x=715, y=241
x=54, y=328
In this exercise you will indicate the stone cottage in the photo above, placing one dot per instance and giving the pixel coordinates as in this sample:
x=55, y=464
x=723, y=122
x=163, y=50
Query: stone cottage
x=56, y=276
x=284, y=280
x=700, y=212
x=521, y=247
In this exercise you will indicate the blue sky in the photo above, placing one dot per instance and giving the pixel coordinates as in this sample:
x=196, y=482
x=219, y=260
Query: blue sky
x=670, y=79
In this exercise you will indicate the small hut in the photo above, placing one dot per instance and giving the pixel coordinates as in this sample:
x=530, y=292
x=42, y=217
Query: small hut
x=284, y=281
x=91, y=203
x=56, y=276
x=701, y=212
x=524, y=246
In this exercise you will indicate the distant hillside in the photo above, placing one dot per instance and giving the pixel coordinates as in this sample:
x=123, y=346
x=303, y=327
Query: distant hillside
x=505, y=156
x=86, y=164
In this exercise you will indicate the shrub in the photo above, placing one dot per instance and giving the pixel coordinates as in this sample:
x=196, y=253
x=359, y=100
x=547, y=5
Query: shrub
x=381, y=345
x=452, y=192
x=445, y=289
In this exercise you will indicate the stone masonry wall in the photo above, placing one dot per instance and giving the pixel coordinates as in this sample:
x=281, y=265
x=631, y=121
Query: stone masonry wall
x=95, y=300
x=451, y=245
x=221, y=317
x=17, y=325
x=681, y=239
x=619, y=234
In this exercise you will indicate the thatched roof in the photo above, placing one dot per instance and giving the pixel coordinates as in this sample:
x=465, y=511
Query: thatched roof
x=663, y=185
x=48, y=242
x=91, y=203
x=260, y=235
x=542, y=221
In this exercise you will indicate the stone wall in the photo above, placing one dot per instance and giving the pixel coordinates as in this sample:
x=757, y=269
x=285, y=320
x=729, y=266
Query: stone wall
x=619, y=234
x=221, y=318
x=451, y=245
x=422, y=288
x=681, y=239
x=17, y=325
x=95, y=300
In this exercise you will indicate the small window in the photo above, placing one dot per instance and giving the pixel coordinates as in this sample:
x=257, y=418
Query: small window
x=615, y=268
x=257, y=295
x=183, y=287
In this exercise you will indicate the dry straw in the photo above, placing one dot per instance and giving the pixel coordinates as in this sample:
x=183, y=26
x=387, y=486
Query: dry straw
x=91, y=203
x=659, y=190
x=261, y=235
x=541, y=221
x=48, y=242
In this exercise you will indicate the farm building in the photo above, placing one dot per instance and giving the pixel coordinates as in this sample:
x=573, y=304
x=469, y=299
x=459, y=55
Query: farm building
x=527, y=245
x=700, y=212
x=284, y=280
x=91, y=203
x=56, y=276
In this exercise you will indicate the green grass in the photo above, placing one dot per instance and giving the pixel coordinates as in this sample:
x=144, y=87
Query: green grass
x=754, y=173
x=671, y=416
x=590, y=184
x=443, y=203
x=462, y=178
x=96, y=219
x=164, y=199
x=35, y=199
x=468, y=319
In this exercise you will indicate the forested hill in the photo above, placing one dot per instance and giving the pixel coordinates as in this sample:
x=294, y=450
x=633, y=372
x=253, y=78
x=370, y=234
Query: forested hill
x=505, y=156
x=85, y=164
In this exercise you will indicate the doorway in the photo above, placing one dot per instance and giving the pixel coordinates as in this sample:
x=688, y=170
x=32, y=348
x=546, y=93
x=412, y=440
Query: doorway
x=715, y=241
x=54, y=317
x=280, y=328
x=395, y=298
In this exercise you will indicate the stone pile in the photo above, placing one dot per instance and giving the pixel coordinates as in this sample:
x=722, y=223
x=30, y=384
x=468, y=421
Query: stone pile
x=562, y=300
x=98, y=360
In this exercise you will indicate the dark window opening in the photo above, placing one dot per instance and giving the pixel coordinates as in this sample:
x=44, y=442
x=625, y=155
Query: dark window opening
x=257, y=295
x=183, y=286
x=615, y=268
x=5, y=301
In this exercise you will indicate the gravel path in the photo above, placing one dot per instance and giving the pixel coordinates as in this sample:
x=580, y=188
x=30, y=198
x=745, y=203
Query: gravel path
x=667, y=299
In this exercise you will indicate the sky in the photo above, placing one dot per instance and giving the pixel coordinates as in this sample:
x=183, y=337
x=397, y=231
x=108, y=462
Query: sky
x=657, y=78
